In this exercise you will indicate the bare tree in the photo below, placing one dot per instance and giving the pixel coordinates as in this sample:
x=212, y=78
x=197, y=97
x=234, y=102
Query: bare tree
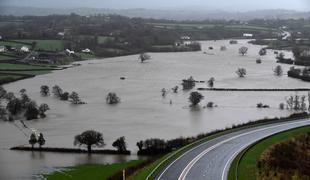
x=241, y=72
x=143, y=57
x=57, y=91
x=163, y=92
x=262, y=52
x=243, y=50
x=45, y=91
x=175, y=89
x=211, y=82
x=278, y=71
x=112, y=98
x=42, y=109
x=75, y=98
x=188, y=83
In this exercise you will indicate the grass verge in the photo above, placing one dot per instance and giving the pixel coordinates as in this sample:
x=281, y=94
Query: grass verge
x=243, y=166
x=90, y=172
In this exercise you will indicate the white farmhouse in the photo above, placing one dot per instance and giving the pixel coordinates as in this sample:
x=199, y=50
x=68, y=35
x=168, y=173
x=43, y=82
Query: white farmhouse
x=24, y=49
x=69, y=51
x=247, y=35
x=86, y=50
x=2, y=49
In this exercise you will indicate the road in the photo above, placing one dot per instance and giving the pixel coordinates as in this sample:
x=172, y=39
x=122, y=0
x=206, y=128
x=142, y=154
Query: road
x=211, y=160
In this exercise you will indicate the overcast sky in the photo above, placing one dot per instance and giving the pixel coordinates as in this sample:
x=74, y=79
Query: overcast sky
x=233, y=5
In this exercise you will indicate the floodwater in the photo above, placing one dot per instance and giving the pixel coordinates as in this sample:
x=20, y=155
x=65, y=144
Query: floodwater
x=143, y=112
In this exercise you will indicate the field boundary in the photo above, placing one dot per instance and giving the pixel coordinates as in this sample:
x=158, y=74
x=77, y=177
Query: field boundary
x=252, y=89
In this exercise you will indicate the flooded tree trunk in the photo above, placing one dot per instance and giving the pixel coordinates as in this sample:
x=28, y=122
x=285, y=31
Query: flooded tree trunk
x=89, y=149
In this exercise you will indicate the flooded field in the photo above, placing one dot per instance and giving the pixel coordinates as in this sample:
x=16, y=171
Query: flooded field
x=143, y=112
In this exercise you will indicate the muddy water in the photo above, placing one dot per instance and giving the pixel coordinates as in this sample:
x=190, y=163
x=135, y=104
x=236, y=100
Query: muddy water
x=143, y=113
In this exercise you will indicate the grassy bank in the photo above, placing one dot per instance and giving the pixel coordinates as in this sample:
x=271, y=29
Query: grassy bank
x=8, y=66
x=13, y=72
x=90, y=172
x=244, y=165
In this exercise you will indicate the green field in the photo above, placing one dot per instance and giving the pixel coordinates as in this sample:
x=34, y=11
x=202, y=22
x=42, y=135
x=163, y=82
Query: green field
x=28, y=72
x=103, y=39
x=184, y=25
x=247, y=165
x=86, y=56
x=4, y=57
x=46, y=45
x=14, y=44
x=13, y=77
x=90, y=172
x=7, y=66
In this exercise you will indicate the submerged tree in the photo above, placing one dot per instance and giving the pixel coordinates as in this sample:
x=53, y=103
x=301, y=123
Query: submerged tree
x=23, y=91
x=297, y=103
x=75, y=99
x=258, y=61
x=57, y=91
x=140, y=145
x=89, y=138
x=3, y=93
x=188, y=83
x=211, y=82
x=243, y=50
x=112, y=98
x=280, y=56
x=278, y=71
x=32, y=111
x=64, y=96
x=33, y=140
x=42, y=109
x=45, y=90
x=120, y=144
x=262, y=52
x=143, y=57
x=163, y=92
x=175, y=89
x=24, y=100
x=10, y=96
x=3, y=114
x=241, y=72
x=41, y=140
x=14, y=106
x=195, y=98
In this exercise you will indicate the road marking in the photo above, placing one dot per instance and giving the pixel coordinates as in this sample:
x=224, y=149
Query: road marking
x=199, y=156
x=183, y=155
x=231, y=158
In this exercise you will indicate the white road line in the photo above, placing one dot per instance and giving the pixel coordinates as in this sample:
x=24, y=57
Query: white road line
x=183, y=155
x=231, y=158
x=199, y=156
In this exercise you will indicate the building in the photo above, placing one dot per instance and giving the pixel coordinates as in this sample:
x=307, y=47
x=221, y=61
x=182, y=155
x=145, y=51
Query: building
x=2, y=49
x=24, y=49
x=248, y=35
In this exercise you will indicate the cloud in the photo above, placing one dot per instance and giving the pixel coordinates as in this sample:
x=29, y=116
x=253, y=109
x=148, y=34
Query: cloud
x=156, y=4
